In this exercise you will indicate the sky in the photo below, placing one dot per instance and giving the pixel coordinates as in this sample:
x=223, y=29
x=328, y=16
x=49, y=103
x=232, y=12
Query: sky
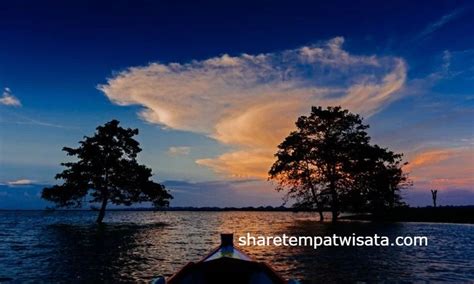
x=214, y=87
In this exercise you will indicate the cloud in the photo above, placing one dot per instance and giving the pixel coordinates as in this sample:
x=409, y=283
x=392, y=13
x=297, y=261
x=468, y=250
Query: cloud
x=446, y=60
x=179, y=150
x=458, y=63
x=8, y=99
x=20, y=182
x=443, y=168
x=250, y=102
x=433, y=27
x=432, y=157
x=232, y=193
x=239, y=193
x=242, y=164
x=22, y=197
x=16, y=118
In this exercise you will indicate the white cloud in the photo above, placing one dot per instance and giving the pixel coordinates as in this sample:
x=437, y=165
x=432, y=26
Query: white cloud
x=445, y=19
x=20, y=182
x=251, y=101
x=8, y=99
x=179, y=150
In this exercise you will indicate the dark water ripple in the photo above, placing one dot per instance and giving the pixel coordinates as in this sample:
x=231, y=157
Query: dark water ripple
x=65, y=247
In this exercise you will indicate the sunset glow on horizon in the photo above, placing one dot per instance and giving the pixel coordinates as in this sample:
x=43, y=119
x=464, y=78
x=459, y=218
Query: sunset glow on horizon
x=212, y=104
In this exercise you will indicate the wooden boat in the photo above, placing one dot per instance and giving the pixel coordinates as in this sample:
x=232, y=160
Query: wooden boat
x=225, y=264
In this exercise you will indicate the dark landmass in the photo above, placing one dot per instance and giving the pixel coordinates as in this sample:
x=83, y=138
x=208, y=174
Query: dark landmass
x=444, y=214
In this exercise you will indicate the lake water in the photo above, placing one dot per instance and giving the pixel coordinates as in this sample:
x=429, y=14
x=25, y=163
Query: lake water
x=135, y=247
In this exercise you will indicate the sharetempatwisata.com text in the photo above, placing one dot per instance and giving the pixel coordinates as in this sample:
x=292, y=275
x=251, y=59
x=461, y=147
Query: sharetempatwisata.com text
x=331, y=241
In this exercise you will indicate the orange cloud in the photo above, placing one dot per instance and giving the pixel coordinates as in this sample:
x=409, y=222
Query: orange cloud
x=443, y=168
x=431, y=157
x=251, y=102
x=241, y=164
x=8, y=99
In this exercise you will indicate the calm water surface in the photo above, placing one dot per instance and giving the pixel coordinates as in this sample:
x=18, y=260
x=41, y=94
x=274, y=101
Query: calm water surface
x=137, y=246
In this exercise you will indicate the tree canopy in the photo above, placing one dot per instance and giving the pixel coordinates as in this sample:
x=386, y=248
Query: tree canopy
x=328, y=162
x=106, y=171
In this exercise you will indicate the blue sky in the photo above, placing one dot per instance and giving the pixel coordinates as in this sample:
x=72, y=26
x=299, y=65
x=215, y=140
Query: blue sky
x=213, y=86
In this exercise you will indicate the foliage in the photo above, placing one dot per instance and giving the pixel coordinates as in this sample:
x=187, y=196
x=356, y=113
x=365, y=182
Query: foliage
x=328, y=162
x=106, y=170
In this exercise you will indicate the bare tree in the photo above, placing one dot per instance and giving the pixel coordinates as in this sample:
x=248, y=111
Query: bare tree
x=434, y=194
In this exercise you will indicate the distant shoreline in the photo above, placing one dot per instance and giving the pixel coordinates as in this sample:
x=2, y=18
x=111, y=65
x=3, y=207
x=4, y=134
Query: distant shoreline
x=442, y=214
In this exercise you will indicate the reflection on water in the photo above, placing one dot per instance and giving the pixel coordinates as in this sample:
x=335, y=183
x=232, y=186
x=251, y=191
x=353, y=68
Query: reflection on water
x=137, y=246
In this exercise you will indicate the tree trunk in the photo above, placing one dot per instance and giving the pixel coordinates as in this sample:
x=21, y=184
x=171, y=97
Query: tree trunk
x=335, y=213
x=334, y=202
x=321, y=216
x=100, y=218
x=334, y=206
x=105, y=195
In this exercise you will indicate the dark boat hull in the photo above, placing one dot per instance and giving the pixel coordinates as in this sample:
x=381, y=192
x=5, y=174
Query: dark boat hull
x=226, y=264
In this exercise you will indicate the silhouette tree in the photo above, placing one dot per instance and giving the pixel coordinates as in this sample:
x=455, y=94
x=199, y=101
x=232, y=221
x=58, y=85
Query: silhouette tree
x=376, y=177
x=434, y=195
x=107, y=171
x=328, y=162
x=297, y=173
